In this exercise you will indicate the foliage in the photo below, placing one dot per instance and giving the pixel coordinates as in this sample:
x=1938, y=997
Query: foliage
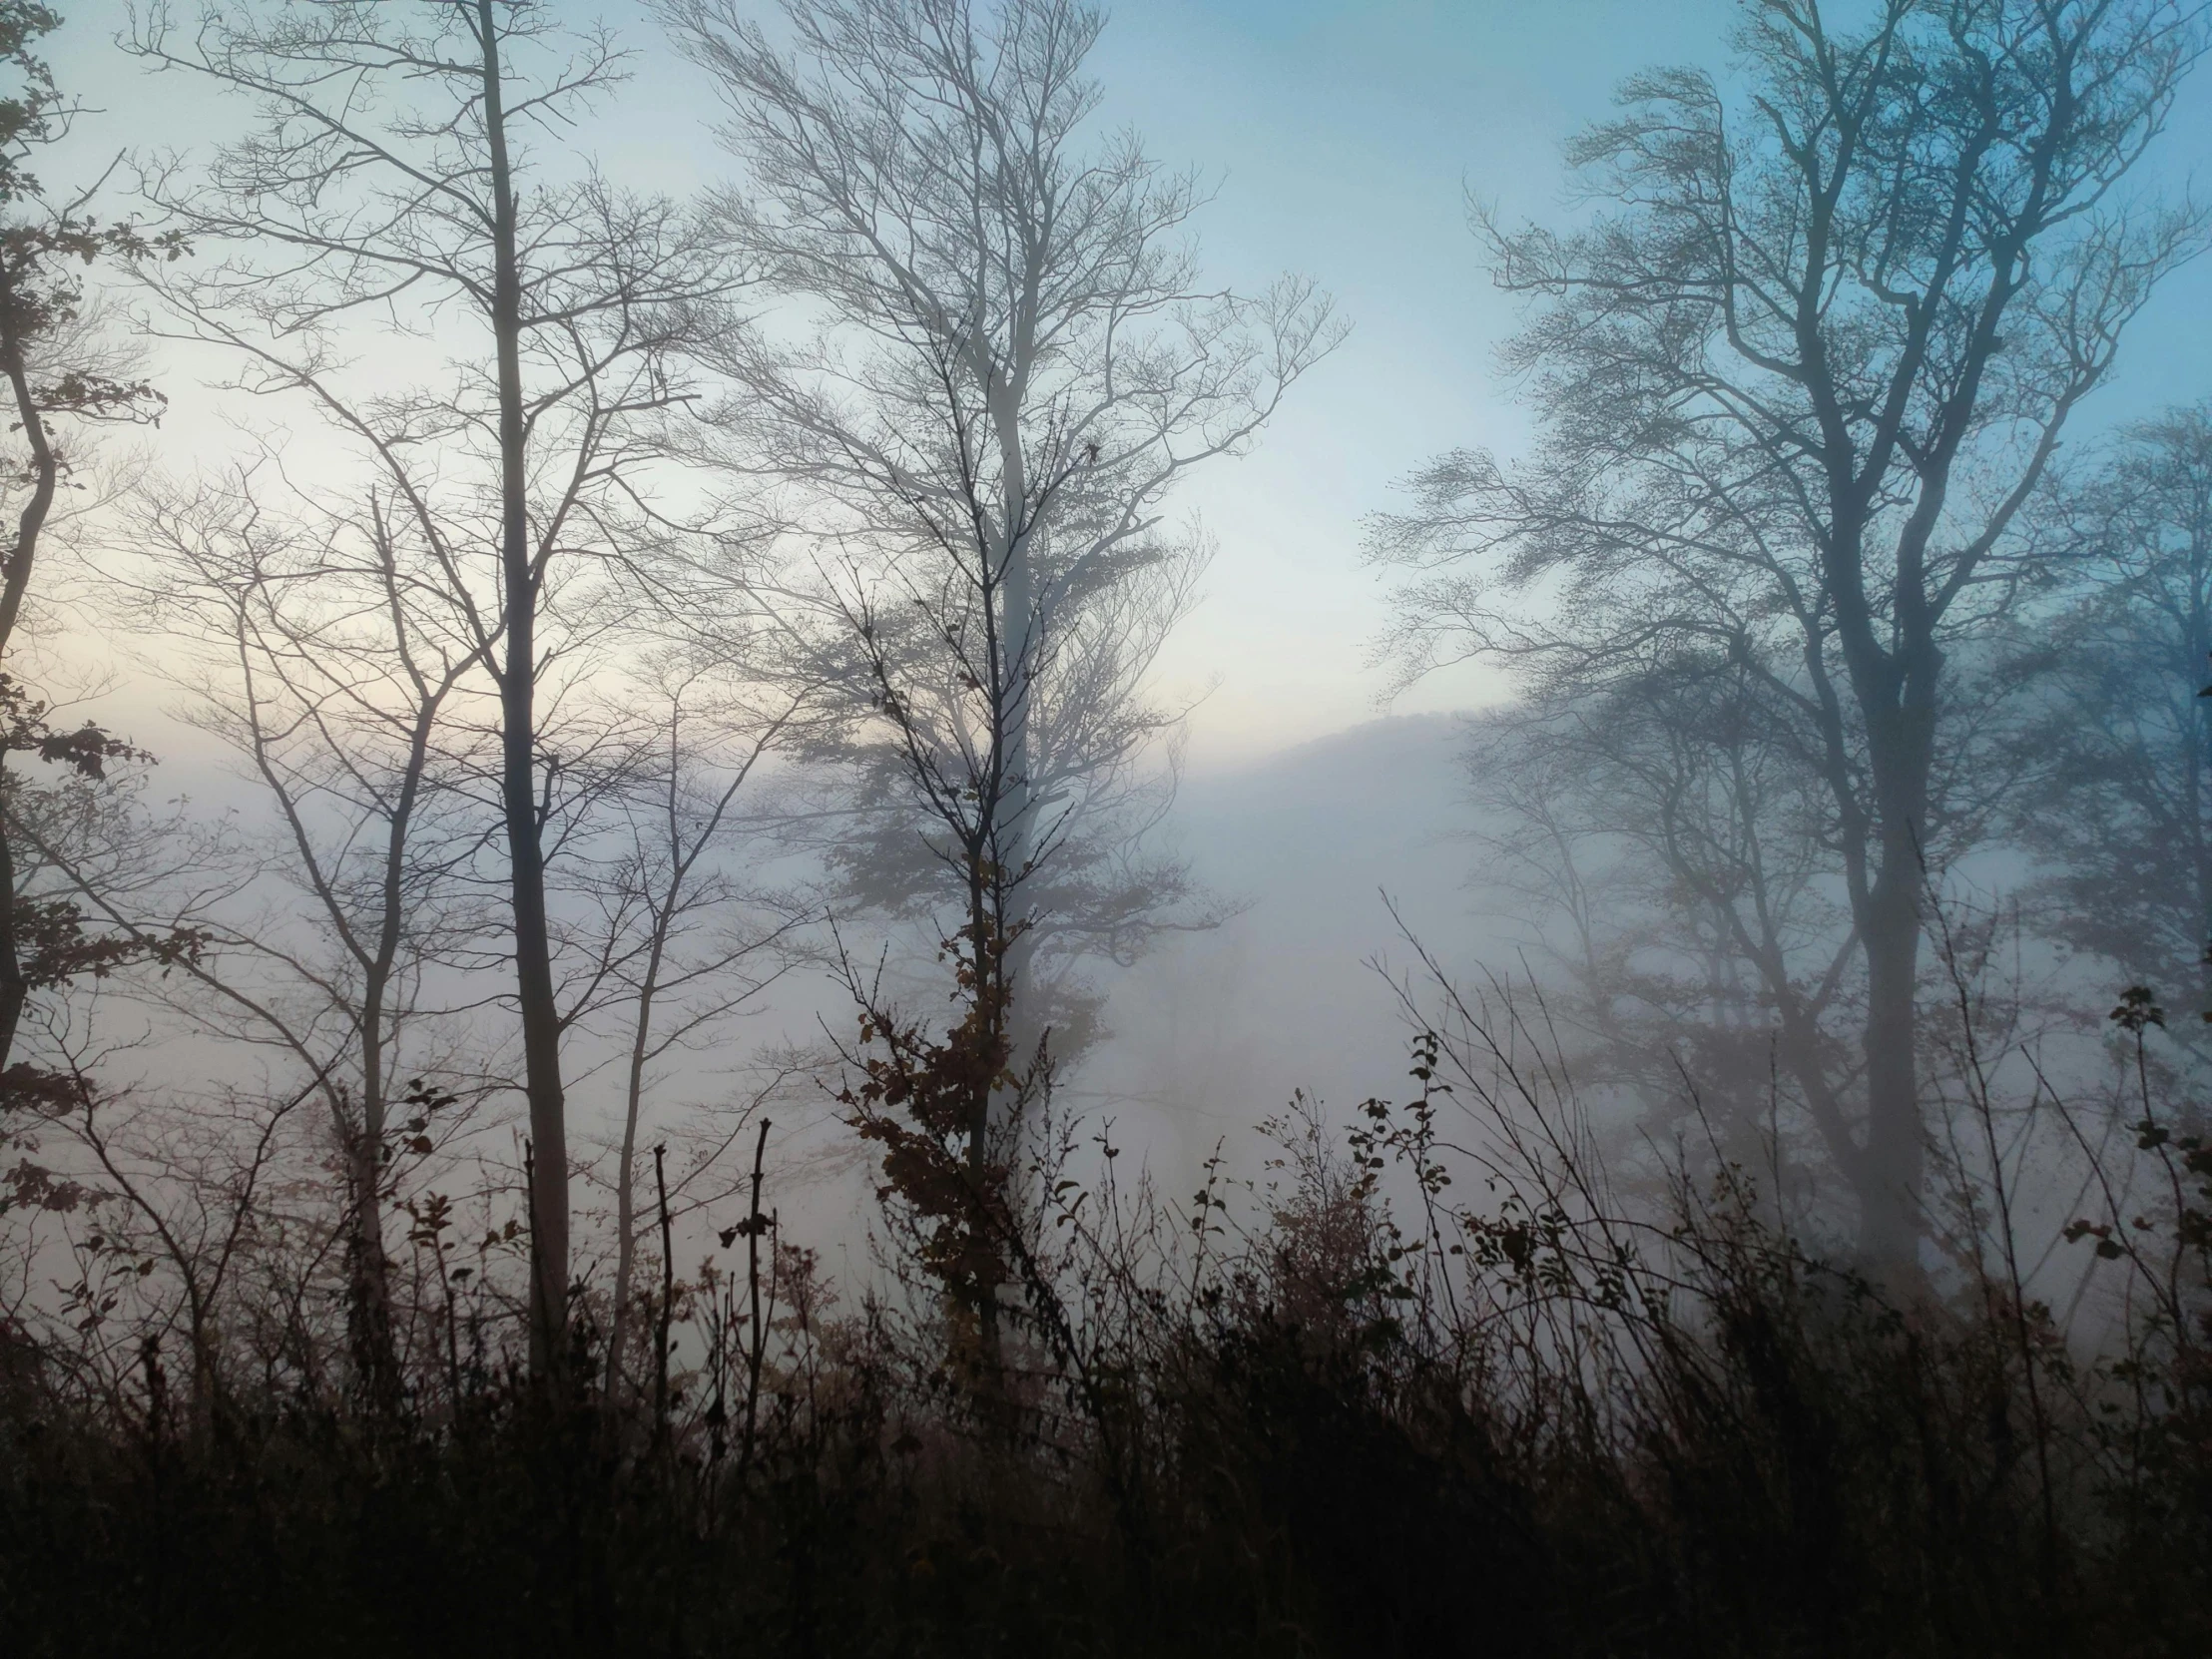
x=1347, y=1406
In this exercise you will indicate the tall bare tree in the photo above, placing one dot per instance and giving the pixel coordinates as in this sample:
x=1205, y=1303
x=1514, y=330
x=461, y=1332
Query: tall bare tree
x=1798, y=384
x=960, y=459
x=1661, y=842
x=392, y=188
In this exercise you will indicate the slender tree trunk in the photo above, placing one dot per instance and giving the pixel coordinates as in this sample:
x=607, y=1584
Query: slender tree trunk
x=626, y=1200
x=668, y=1302
x=45, y=465
x=541, y=1035
x=15, y=581
x=1019, y=644
x=2197, y=750
x=375, y=1363
x=986, y=928
x=14, y=988
x=375, y=1354
x=626, y=1254
x=756, y=1336
x=1017, y=834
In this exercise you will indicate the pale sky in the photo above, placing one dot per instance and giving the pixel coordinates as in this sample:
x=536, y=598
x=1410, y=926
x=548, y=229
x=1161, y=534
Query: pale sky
x=1343, y=135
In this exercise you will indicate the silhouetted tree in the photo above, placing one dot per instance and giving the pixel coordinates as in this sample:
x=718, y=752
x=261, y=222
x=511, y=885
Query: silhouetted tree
x=64, y=371
x=384, y=190
x=1797, y=387
x=326, y=653
x=701, y=941
x=963, y=461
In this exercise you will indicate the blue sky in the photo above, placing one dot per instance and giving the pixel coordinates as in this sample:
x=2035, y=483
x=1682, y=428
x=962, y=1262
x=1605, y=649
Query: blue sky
x=1348, y=135
x=1343, y=136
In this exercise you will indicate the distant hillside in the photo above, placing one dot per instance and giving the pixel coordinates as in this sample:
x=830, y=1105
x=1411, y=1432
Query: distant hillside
x=1217, y=1030
x=1329, y=821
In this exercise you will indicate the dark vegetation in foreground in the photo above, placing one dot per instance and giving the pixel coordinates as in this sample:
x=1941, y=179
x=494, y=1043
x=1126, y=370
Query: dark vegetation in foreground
x=1368, y=1422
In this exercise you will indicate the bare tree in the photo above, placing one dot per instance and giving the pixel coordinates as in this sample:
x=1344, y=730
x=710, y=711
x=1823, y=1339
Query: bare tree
x=959, y=467
x=705, y=942
x=63, y=371
x=189, y=1196
x=1798, y=386
x=2119, y=746
x=328, y=653
x=1661, y=842
x=391, y=189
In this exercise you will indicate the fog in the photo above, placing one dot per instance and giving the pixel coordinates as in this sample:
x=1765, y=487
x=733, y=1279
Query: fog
x=1293, y=993
x=1460, y=746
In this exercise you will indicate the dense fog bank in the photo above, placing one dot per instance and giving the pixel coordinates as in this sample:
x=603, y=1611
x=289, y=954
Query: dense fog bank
x=1218, y=1030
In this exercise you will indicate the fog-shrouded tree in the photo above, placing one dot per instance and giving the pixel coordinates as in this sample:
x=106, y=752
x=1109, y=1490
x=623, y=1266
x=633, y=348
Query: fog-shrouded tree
x=411, y=197
x=953, y=453
x=79, y=808
x=319, y=646
x=66, y=371
x=1655, y=843
x=1662, y=840
x=702, y=937
x=2119, y=747
x=1797, y=375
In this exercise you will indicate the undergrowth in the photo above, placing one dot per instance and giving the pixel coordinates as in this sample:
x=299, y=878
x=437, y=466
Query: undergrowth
x=1338, y=1407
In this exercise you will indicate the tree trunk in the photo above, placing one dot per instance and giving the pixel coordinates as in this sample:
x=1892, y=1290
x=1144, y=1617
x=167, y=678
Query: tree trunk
x=375, y=1356
x=14, y=988
x=1017, y=832
x=1890, y=1190
x=1900, y=702
x=541, y=1035
x=2197, y=725
x=1019, y=644
x=375, y=1365
x=15, y=581
x=626, y=1200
